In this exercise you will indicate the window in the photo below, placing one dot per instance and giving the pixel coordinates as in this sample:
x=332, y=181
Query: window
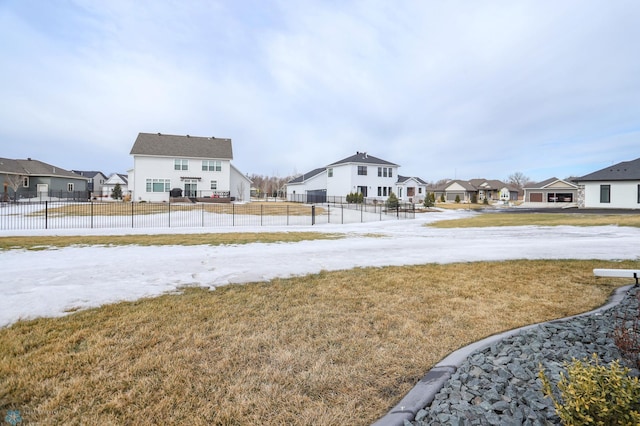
x=180, y=165
x=211, y=166
x=25, y=181
x=605, y=193
x=158, y=185
x=214, y=185
x=362, y=170
x=379, y=191
x=70, y=187
x=384, y=172
x=390, y=172
x=379, y=171
x=330, y=172
x=419, y=190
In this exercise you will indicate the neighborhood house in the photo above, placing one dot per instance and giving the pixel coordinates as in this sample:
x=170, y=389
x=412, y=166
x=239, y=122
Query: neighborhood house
x=360, y=173
x=33, y=179
x=616, y=186
x=552, y=192
x=196, y=168
x=478, y=189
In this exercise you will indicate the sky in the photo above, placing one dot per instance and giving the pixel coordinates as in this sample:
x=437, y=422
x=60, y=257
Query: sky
x=53, y=282
x=446, y=90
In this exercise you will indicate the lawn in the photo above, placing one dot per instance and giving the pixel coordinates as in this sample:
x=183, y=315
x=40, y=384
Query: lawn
x=330, y=348
x=43, y=242
x=540, y=219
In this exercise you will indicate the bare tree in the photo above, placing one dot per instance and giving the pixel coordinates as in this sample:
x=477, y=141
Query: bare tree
x=14, y=182
x=240, y=189
x=518, y=179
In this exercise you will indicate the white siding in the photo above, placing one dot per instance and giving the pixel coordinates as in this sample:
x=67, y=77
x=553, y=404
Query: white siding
x=623, y=195
x=147, y=167
x=317, y=182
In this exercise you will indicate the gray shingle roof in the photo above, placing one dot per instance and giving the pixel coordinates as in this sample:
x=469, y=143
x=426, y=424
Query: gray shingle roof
x=402, y=179
x=362, y=157
x=87, y=173
x=182, y=146
x=627, y=170
x=30, y=167
x=308, y=175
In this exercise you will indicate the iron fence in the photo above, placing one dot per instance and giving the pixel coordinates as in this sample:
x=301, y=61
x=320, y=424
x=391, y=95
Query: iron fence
x=98, y=214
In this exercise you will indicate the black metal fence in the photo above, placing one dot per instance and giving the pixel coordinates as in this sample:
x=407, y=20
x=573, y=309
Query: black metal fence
x=95, y=215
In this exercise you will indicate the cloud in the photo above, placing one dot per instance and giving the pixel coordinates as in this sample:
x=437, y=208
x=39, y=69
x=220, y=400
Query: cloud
x=473, y=89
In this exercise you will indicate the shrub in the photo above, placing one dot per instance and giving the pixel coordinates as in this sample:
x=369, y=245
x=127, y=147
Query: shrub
x=595, y=394
x=626, y=336
x=474, y=199
x=392, y=201
x=116, y=192
x=442, y=200
x=457, y=198
x=429, y=200
x=485, y=201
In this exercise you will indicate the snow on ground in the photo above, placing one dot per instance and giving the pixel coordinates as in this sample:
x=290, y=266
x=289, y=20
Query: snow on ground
x=54, y=281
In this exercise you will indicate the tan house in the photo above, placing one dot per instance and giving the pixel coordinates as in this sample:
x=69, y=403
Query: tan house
x=552, y=192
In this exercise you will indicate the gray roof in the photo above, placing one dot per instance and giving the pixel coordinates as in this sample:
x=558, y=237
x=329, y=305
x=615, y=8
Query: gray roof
x=30, y=167
x=627, y=170
x=362, y=157
x=182, y=146
x=405, y=178
x=308, y=175
x=87, y=173
x=546, y=182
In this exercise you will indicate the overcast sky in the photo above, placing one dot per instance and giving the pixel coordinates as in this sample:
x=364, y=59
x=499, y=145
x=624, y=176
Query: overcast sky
x=456, y=89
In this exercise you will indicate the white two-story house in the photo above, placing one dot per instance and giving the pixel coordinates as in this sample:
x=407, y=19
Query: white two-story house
x=361, y=173
x=195, y=167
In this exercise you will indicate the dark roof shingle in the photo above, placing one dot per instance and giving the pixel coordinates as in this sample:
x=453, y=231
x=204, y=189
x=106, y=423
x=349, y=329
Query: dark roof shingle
x=626, y=170
x=182, y=146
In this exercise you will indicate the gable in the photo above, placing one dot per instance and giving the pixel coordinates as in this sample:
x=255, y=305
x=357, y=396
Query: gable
x=363, y=158
x=158, y=144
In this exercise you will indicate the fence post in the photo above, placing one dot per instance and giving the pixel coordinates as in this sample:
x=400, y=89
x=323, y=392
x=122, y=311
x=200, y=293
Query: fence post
x=169, y=213
x=342, y=214
x=91, y=213
x=287, y=215
x=202, y=214
x=313, y=215
x=361, y=214
x=328, y=213
x=132, y=215
x=233, y=215
x=46, y=215
x=261, y=214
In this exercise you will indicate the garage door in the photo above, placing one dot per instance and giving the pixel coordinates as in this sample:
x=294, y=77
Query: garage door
x=535, y=197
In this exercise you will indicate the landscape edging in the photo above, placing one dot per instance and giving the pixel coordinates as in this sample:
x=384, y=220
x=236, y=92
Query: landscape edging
x=426, y=389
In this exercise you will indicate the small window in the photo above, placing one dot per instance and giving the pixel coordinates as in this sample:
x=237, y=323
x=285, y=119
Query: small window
x=390, y=172
x=379, y=191
x=362, y=170
x=214, y=185
x=384, y=172
x=605, y=193
x=25, y=181
x=379, y=171
x=70, y=187
x=179, y=164
x=330, y=172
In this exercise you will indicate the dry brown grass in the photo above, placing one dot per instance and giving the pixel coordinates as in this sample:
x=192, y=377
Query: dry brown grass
x=540, y=219
x=128, y=209
x=42, y=242
x=325, y=349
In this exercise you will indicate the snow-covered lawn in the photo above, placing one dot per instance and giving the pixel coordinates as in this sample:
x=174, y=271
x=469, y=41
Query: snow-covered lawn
x=52, y=282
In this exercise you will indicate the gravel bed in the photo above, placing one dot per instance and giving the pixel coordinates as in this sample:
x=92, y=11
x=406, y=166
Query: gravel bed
x=499, y=385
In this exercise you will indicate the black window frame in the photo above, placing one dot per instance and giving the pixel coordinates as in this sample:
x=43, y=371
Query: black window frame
x=362, y=170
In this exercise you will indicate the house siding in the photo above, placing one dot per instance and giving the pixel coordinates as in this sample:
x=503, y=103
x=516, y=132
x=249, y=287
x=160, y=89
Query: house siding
x=163, y=168
x=623, y=195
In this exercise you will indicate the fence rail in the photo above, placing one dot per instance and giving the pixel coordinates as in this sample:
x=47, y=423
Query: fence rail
x=95, y=215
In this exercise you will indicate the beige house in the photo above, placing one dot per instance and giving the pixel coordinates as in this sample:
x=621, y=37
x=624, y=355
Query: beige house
x=552, y=192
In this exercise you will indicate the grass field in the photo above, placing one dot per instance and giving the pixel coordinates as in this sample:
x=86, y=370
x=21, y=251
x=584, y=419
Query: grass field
x=539, y=219
x=44, y=242
x=325, y=349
